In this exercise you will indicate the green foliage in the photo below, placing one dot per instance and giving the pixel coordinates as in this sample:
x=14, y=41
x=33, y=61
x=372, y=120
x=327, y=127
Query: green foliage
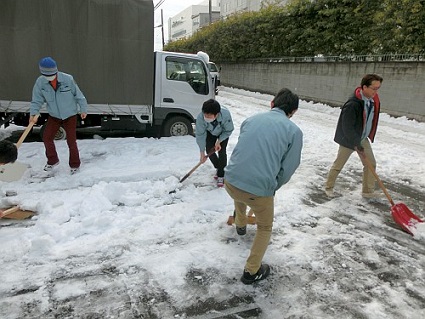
x=313, y=27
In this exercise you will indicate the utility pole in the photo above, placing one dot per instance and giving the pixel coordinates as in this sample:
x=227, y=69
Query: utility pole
x=162, y=28
x=210, y=11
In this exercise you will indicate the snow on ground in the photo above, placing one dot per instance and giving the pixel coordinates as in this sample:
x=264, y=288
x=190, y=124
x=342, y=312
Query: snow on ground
x=112, y=242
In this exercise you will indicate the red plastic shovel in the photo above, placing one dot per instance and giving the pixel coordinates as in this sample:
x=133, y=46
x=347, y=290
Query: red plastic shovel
x=402, y=215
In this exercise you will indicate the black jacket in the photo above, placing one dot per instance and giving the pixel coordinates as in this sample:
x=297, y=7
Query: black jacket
x=352, y=120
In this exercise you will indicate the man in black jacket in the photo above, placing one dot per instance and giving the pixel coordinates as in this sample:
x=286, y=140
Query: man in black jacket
x=357, y=126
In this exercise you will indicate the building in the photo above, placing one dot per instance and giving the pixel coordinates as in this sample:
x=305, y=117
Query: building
x=187, y=22
x=229, y=7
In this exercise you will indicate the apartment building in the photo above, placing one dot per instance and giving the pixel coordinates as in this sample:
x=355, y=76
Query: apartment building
x=229, y=7
x=187, y=22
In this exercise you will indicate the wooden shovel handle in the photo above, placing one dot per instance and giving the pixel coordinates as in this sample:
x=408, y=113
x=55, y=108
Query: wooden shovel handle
x=197, y=165
x=9, y=211
x=27, y=130
x=366, y=161
x=190, y=172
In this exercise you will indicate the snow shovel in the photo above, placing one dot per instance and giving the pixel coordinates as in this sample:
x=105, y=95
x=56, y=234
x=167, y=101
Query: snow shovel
x=402, y=215
x=211, y=152
x=251, y=218
x=14, y=171
x=15, y=213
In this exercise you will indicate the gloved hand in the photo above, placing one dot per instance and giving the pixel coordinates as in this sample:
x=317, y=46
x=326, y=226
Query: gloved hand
x=33, y=118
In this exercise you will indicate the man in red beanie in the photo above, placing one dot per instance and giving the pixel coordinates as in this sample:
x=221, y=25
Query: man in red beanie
x=64, y=101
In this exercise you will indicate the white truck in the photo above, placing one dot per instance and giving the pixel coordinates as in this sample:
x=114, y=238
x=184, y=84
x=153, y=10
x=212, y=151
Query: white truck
x=108, y=48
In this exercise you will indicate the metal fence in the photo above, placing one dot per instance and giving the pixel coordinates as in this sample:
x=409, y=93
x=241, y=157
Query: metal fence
x=345, y=58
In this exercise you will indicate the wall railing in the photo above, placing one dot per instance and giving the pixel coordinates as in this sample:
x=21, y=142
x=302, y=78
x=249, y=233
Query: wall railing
x=345, y=58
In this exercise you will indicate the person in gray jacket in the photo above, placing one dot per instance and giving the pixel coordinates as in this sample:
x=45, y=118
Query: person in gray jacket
x=266, y=156
x=64, y=101
x=214, y=125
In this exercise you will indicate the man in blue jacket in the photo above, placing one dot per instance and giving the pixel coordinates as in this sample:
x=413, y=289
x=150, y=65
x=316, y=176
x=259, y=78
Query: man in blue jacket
x=357, y=124
x=214, y=125
x=267, y=154
x=64, y=101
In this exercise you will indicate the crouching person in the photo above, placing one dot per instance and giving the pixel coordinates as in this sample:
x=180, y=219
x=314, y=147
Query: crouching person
x=214, y=125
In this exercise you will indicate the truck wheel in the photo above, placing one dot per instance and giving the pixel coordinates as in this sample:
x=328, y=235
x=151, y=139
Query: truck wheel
x=60, y=134
x=177, y=126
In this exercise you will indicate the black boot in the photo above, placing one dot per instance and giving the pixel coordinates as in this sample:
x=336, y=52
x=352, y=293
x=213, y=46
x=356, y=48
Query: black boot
x=261, y=274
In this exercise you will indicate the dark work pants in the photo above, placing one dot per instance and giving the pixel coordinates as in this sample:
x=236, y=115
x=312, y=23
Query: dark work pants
x=219, y=161
x=70, y=127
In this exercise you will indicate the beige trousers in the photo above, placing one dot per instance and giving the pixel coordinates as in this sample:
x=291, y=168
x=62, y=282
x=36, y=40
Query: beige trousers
x=263, y=209
x=342, y=158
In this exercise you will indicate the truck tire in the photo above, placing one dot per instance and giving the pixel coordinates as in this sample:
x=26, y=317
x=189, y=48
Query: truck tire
x=60, y=135
x=177, y=126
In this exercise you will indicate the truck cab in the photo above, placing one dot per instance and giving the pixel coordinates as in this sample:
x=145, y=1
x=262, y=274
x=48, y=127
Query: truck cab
x=183, y=83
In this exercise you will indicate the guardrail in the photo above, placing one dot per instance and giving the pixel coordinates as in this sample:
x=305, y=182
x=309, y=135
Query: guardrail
x=345, y=58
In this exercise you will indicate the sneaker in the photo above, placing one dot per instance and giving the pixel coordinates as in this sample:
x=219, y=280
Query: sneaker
x=220, y=181
x=215, y=176
x=241, y=230
x=372, y=195
x=74, y=170
x=49, y=167
x=261, y=274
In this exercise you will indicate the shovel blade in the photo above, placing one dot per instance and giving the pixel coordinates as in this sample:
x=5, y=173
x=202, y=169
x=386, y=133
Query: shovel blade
x=251, y=220
x=403, y=216
x=12, y=172
x=15, y=213
x=20, y=214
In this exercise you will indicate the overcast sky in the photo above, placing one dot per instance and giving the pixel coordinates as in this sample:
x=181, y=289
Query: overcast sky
x=170, y=8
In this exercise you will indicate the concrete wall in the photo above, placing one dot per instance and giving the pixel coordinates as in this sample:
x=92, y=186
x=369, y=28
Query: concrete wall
x=402, y=92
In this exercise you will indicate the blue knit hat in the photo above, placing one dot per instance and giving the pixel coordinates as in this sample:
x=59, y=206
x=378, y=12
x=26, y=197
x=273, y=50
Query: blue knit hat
x=48, y=66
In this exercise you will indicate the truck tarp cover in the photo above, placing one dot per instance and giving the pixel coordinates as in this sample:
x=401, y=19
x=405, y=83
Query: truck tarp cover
x=107, y=45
